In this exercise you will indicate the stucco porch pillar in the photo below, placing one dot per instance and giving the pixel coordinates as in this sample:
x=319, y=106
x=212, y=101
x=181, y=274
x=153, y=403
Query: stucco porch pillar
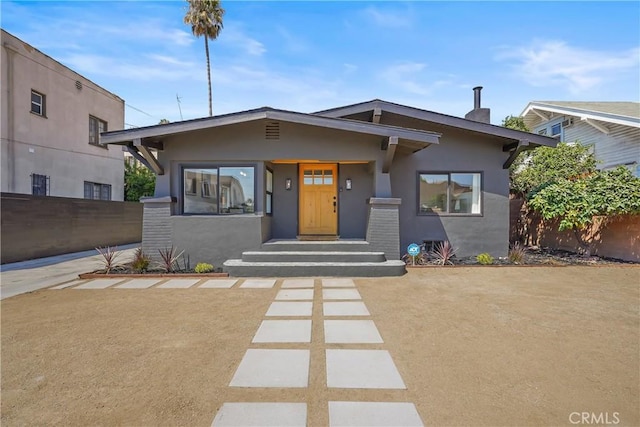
x=383, y=226
x=156, y=225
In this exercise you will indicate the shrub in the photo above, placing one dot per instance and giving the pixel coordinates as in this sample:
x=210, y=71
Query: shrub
x=109, y=256
x=203, y=267
x=485, y=259
x=516, y=254
x=169, y=258
x=444, y=253
x=141, y=261
x=419, y=259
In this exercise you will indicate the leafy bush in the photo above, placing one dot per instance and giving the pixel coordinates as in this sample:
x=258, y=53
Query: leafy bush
x=141, y=261
x=444, y=253
x=109, y=256
x=516, y=254
x=485, y=259
x=169, y=258
x=203, y=267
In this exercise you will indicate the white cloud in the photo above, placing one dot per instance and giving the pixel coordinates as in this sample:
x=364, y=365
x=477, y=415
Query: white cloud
x=556, y=63
x=236, y=38
x=156, y=67
x=412, y=78
x=290, y=42
x=388, y=18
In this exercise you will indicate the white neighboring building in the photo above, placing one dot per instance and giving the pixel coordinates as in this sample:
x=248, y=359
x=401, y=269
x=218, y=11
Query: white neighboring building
x=51, y=120
x=611, y=128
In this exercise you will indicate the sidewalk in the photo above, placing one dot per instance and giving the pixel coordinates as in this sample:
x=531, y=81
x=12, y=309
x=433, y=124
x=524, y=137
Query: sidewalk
x=28, y=276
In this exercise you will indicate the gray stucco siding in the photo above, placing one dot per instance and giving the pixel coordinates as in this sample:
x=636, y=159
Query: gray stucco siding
x=470, y=234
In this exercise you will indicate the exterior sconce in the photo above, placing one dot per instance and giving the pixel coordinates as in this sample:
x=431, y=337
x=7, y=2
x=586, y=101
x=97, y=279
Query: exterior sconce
x=287, y=184
x=347, y=184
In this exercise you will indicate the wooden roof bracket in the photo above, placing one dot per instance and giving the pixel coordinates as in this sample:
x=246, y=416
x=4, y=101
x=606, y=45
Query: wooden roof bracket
x=515, y=149
x=391, y=152
x=151, y=161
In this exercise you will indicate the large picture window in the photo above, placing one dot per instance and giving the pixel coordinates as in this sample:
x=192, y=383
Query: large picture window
x=449, y=193
x=219, y=190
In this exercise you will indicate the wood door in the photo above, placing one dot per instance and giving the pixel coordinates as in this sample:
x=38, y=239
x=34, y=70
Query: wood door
x=318, y=199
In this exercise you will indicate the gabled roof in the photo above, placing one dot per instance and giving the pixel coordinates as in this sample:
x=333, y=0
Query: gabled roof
x=620, y=113
x=413, y=139
x=439, y=118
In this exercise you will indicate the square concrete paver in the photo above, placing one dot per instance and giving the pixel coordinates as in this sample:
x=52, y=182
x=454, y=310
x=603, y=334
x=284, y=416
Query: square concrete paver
x=297, y=283
x=138, y=284
x=340, y=294
x=99, y=284
x=295, y=294
x=338, y=283
x=272, y=368
x=283, y=331
x=282, y=308
x=179, y=283
x=219, y=283
x=369, y=414
x=261, y=414
x=362, y=369
x=351, y=332
x=258, y=283
x=68, y=285
x=345, y=308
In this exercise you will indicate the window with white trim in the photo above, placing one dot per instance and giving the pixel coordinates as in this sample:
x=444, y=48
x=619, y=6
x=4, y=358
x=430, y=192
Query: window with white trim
x=38, y=103
x=448, y=193
x=219, y=190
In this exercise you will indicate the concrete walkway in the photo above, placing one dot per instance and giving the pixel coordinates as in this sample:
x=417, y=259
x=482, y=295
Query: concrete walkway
x=28, y=276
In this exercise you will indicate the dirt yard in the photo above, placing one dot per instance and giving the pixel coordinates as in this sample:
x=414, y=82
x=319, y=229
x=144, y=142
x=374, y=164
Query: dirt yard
x=491, y=346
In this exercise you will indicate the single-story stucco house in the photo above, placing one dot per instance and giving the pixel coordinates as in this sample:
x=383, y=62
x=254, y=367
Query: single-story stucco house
x=341, y=191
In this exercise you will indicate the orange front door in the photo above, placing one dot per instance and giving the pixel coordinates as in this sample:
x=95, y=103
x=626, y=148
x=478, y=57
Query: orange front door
x=319, y=199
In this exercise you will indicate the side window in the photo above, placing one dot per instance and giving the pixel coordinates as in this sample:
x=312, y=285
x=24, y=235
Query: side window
x=96, y=127
x=449, y=193
x=38, y=103
x=39, y=185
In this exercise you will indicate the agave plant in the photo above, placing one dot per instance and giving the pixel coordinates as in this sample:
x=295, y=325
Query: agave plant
x=444, y=253
x=109, y=256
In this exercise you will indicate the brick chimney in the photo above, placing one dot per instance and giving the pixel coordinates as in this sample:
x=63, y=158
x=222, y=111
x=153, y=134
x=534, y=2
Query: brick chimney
x=478, y=113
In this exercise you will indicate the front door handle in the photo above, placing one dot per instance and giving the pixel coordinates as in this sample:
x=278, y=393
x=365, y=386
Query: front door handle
x=334, y=206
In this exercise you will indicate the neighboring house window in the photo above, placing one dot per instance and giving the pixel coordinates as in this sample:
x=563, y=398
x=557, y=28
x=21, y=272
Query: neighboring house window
x=96, y=191
x=556, y=130
x=268, y=209
x=39, y=185
x=219, y=190
x=96, y=127
x=38, y=103
x=449, y=193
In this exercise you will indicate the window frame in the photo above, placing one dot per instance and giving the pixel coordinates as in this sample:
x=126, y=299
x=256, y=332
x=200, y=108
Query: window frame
x=268, y=202
x=40, y=178
x=449, y=173
x=98, y=122
x=42, y=105
x=215, y=194
x=101, y=188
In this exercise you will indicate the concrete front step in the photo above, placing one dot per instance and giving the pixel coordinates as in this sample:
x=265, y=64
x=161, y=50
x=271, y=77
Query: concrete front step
x=316, y=246
x=312, y=256
x=240, y=268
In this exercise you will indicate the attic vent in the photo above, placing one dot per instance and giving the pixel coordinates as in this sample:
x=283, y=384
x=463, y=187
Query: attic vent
x=78, y=85
x=272, y=130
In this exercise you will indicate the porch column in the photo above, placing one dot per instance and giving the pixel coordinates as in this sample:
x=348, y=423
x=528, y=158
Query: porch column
x=156, y=225
x=383, y=226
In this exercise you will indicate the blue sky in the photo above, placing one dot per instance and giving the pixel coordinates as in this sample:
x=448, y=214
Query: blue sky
x=312, y=55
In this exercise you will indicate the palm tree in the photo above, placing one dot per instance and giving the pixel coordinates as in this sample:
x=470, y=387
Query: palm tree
x=205, y=18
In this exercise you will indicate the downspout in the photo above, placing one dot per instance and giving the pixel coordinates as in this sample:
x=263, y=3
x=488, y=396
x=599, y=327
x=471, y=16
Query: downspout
x=11, y=164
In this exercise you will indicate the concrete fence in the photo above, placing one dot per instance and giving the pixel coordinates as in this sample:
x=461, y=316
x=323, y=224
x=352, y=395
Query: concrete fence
x=619, y=239
x=40, y=226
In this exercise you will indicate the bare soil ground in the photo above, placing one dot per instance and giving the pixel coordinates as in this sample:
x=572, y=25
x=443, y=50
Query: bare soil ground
x=492, y=346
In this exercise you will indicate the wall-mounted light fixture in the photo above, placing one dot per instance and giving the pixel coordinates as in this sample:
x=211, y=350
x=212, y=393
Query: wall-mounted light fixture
x=287, y=184
x=347, y=184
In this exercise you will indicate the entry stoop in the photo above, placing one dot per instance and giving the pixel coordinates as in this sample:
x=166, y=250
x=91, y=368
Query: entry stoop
x=296, y=258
